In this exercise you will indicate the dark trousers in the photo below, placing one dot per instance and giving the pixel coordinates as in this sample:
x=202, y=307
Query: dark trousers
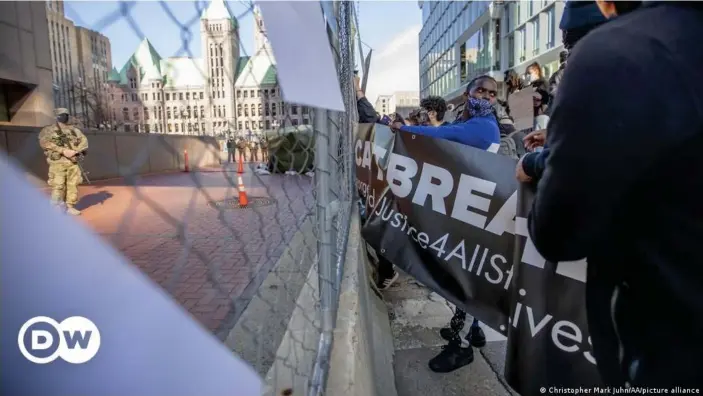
x=457, y=325
x=385, y=268
x=231, y=156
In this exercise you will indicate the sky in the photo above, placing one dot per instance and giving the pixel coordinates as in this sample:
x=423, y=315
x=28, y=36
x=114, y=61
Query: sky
x=390, y=28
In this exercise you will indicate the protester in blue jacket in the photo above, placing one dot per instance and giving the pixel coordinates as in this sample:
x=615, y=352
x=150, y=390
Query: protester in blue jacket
x=480, y=130
x=476, y=126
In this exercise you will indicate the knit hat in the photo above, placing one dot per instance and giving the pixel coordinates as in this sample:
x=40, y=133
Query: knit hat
x=580, y=14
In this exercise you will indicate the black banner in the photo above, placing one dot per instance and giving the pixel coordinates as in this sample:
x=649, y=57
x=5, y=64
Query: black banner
x=454, y=217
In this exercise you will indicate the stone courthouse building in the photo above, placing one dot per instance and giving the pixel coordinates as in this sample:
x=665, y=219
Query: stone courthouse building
x=220, y=93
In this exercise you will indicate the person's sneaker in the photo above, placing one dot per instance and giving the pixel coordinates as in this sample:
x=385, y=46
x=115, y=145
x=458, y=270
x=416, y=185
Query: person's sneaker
x=73, y=211
x=385, y=282
x=452, y=357
x=476, y=337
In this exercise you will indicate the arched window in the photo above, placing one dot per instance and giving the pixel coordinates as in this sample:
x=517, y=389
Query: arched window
x=260, y=112
x=253, y=109
x=168, y=113
x=239, y=110
x=188, y=111
x=125, y=114
x=266, y=109
x=146, y=113
x=202, y=111
x=273, y=109
x=246, y=111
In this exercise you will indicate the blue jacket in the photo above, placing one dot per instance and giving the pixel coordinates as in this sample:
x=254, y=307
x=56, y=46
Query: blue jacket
x=479, y=132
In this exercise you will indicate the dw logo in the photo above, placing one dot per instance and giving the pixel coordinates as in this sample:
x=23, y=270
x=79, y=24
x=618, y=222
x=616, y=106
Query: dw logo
x=75, y=340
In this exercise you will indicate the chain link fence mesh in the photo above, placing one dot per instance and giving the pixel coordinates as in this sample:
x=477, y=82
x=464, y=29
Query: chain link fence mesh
x=265, y=278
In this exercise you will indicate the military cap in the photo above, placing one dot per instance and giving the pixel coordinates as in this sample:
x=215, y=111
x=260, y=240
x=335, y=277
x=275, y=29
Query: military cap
x=61, y=110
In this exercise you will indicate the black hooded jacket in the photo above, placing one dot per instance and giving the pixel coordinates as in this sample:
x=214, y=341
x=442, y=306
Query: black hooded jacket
x=623, y=186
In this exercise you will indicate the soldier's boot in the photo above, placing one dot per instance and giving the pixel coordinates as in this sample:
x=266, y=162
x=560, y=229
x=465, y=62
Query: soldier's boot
x=57, y=205
x=73, y=211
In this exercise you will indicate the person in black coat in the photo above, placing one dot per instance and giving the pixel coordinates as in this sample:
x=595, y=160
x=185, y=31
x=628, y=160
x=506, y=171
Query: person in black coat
x=367, y=114
x=622, y=187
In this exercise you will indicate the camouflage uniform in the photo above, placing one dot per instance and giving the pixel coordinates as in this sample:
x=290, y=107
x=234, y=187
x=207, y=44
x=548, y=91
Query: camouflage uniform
x=254, y=147
x=64, y=173
x=264, y=149
x=242, y=146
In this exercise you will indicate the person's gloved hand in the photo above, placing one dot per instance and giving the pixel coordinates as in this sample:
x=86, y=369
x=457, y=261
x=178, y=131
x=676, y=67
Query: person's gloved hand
x=68, y=153
x=395, y=126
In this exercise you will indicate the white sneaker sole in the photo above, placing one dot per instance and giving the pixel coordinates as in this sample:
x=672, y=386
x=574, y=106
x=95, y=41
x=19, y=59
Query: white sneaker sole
x=389, y=282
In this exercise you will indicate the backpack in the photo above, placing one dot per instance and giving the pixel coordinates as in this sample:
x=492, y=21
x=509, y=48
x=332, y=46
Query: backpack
x=508, y=147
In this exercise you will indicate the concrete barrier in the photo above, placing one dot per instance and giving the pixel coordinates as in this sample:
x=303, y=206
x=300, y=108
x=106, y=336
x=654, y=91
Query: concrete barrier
x=361, y=362
x=114, y=154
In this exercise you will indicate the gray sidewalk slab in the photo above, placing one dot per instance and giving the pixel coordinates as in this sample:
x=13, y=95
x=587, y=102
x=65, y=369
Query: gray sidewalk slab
x=416, y=315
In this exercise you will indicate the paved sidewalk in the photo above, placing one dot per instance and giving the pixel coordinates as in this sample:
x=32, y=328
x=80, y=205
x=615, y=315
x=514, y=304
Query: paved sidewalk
x=211, y=260
x=417, y=314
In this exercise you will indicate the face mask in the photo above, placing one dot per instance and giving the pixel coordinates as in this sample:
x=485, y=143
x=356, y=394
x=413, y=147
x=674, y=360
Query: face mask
x=62, y=118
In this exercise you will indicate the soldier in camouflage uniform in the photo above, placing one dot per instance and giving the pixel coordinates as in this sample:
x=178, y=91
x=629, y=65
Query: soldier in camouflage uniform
x=242, y=147
x=254, y=147
x=264, y=142
x=63, y=146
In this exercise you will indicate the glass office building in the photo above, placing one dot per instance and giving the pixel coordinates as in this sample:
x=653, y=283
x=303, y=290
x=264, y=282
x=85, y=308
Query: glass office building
x=461, y=40
x=530, y=31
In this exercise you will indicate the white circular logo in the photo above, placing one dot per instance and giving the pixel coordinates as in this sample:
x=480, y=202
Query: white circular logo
x=75, y=340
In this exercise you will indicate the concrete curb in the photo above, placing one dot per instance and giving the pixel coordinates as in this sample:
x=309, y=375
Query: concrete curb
x=361, y=362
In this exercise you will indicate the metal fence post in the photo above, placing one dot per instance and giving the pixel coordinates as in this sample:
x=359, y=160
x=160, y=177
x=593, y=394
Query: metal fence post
x=323, y=172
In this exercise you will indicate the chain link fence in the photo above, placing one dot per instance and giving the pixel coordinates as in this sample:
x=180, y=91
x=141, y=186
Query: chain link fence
x=263, y=277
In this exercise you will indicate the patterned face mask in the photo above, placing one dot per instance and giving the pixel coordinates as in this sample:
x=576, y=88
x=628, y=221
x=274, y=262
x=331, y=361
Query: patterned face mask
x=478, y=107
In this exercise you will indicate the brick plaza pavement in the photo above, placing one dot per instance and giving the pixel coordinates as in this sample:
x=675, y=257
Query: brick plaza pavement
x=207, y=259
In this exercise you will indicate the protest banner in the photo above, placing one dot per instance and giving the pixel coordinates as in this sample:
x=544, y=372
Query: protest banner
x=454, y=217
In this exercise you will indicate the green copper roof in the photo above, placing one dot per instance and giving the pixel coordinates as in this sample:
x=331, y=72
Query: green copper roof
x=114, y=76
x=270, y=76
x=147, y=62
x=241, y=63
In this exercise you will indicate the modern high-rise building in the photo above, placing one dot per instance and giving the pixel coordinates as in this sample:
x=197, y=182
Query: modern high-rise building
x=219, y=93
x=81, y=60
x=25, y=67
x=461, y=40
x=64, y=56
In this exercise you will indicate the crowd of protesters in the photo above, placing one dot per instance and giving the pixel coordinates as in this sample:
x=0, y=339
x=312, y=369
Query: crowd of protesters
x=614, y=154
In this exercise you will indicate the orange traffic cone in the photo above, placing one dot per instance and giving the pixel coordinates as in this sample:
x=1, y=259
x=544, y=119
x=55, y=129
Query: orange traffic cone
x=240, y=170
x=243, y=200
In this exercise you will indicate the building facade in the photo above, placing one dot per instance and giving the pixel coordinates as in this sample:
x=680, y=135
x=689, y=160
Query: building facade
x=402, y=102
x=220, y=93
x=94, y=66
x=26, y=69
x=81, y=60
x=462, y=40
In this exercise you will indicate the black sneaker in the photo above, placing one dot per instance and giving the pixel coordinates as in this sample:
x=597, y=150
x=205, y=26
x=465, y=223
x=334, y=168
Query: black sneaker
x=476, y=337
x=385, y=282
x=452, y=357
